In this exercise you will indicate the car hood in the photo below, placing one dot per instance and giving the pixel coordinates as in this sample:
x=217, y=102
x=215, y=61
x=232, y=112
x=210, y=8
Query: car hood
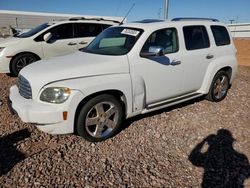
x=76, y=65
x=10, y=41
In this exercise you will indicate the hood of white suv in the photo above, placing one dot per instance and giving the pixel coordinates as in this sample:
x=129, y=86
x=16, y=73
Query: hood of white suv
x=76, y=65
x=10, y=41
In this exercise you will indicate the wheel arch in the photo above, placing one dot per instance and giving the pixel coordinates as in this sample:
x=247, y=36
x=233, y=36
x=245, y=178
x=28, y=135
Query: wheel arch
x=210, y=75
x=228, y=70
x=116, y=93
x=211, y=96
x=25, y=52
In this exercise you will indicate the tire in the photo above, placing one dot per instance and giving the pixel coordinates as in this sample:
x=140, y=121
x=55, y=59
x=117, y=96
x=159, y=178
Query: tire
x=100, y=118
x=219, y=87
x=21, y=61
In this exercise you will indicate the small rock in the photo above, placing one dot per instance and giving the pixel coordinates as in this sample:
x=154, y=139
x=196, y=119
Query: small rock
x=157, y=135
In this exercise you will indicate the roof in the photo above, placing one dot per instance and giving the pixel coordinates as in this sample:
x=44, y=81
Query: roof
x=94, y=21
x=152, y=23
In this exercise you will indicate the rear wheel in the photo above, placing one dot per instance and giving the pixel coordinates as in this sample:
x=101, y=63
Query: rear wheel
x=21, y=61
x=219, y=87
x=100, y=118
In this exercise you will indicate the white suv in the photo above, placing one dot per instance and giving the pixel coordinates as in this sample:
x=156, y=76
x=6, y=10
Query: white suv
x=127, y=70
x=50, y=40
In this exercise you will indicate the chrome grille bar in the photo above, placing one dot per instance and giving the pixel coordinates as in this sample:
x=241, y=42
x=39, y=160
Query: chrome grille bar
x=24, y=87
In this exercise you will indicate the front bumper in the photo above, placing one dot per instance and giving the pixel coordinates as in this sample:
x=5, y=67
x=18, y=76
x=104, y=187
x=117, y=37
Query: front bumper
x=34, y=112
x=9, y=103
x=49, y=117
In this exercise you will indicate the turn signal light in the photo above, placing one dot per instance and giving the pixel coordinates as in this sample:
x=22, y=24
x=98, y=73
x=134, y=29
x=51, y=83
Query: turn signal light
x=65, y=115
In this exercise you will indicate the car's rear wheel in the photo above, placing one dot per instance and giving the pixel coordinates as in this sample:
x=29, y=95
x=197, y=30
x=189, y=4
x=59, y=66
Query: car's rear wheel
x=21, y=61
x=100, y=118
x=219, y=87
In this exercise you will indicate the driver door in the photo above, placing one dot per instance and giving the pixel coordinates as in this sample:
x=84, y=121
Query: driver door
x=162, y=75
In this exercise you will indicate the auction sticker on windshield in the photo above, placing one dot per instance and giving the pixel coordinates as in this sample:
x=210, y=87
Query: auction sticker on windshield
x=130, y=32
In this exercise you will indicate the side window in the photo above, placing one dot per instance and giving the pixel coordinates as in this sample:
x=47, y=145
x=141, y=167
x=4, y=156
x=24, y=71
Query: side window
x=196, y=37
x=39, y=38
x=166, y=38
x=221, y=35
x=63, y=31
x=105, y=26
x=88, y=30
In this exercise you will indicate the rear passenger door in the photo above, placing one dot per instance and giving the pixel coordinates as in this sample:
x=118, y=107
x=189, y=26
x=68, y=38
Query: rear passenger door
x=86, y=32
x=196, y=57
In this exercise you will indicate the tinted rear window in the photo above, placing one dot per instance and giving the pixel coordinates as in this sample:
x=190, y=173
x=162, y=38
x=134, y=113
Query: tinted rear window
x=221, y=35
x=63, y=31
x=196, y=37
x=88, y=29
x=105, y=26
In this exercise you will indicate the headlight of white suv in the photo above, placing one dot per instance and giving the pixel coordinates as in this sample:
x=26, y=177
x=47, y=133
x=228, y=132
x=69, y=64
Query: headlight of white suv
x=55, y=95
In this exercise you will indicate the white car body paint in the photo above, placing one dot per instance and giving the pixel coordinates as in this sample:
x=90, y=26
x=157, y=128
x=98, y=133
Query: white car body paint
x=145, y=84
x=44, y=50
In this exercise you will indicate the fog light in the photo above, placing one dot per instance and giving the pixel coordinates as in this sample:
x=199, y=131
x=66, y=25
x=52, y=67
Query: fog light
x=65, y=115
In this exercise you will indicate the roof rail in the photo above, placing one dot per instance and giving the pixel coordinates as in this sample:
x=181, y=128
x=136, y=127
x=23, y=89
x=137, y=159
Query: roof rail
x=96, y=19
x=149, y=21
x=195, y=19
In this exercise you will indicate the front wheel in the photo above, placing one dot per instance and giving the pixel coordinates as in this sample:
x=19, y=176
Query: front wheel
x=20, y=61
x=100, y=118
x=219, y=87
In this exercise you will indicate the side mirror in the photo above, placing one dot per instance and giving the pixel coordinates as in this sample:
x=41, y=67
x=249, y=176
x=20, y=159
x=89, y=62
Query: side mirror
x=47, y=37
x=153, y=51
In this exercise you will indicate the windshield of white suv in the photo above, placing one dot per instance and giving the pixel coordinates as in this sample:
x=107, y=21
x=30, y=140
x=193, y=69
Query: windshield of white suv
x=33, y=31
x=114, y=41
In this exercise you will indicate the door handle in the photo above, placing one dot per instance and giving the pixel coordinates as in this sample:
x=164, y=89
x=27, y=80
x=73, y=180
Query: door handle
x=83, y=42
x=210, y=56
x=72, y=44
x=175, y=62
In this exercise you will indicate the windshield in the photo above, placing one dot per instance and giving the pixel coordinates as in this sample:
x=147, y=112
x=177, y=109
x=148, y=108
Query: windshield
x=114, y=41
x=33, y=31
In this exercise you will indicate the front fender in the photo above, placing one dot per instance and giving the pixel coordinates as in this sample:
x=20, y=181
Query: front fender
x=95, y=84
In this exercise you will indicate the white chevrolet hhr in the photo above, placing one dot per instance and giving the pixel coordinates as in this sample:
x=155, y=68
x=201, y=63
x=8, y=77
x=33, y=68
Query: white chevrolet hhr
x=127, y=70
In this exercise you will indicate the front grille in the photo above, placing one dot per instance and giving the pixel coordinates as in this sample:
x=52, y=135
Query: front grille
x=24, y=87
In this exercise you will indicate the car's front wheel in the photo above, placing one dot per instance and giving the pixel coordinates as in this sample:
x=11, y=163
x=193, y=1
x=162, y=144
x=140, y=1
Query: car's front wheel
x=219, y=87
x=21, y=61
x=100, y=118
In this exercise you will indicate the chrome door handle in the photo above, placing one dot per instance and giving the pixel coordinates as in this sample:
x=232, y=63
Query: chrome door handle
x=174, y=62
x=83, y=42
x=210, y=56
x=72, y=44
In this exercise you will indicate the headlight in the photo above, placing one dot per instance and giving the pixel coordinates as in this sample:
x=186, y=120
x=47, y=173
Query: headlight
x=55, y=95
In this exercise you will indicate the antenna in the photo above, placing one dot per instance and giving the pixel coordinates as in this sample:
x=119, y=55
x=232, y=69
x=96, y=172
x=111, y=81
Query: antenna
x=166, y=9
x=127, y=13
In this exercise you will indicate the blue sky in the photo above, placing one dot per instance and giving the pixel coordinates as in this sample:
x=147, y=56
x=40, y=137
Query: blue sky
x=224, y=10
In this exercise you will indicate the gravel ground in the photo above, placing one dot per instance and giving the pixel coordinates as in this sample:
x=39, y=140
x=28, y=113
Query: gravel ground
x=152, y=151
